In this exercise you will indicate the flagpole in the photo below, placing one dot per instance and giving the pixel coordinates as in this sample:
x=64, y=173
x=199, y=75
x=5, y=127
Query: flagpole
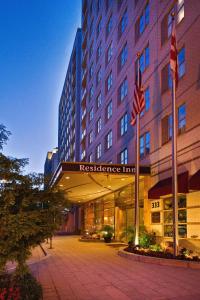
x=174, y=167
x=137, y=170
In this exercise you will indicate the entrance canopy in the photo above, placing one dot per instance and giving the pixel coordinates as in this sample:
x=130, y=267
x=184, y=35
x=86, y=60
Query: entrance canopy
x=83, y=182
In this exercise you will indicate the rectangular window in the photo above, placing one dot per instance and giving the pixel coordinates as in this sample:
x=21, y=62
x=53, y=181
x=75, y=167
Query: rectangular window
x=91, y=93
x=109, y=110
x=99, y=125
x=91, y=70
x=123, y=124
x=98, y=151
x=99, y=27
x=144, y=60
x=181, y=118
x=166, y=129
x=123, y=156
x=182, y=217
x=144, y=19
x=91, y=114
x=144, y=144
x=90, y=157
x=109, y=140
x=181, y=62
x=91, y=137
x=147, y=101
x=166, y=80
x=122, y=24
x=109, y=82
x=180, y=10
x=123, y=57
x=98, y=79
x=123, y=90
x=109, y=53
x=98, y=5
x=109, y=26
x=99, y=51
x=91, y=26
x=91, y=50
x=99, y=100
x=155, y=217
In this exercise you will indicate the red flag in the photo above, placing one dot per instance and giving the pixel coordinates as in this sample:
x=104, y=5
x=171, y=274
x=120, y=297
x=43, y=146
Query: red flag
x=174, y=55
x=138, y=102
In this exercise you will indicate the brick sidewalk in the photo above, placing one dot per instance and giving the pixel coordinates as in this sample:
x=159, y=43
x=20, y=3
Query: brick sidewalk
x=94, y=271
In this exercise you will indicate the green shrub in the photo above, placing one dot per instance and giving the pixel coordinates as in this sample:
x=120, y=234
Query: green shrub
x=146, y=238
x=156, y=248
x=29, y=288
x=128, y=234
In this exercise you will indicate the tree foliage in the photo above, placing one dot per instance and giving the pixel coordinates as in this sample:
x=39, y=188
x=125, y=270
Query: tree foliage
x=28, y=213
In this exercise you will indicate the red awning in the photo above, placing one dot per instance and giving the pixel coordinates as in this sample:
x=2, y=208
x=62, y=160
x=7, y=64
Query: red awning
x=164, y=187
x=194, y=182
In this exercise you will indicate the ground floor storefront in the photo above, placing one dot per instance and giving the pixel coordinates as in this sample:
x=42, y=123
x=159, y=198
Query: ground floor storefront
x=105, y=195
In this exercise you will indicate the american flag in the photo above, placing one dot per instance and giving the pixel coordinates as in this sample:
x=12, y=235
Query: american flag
x=138, y=102
x=174, y=55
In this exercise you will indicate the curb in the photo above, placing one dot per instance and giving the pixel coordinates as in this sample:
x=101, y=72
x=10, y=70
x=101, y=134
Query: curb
x=158, y=260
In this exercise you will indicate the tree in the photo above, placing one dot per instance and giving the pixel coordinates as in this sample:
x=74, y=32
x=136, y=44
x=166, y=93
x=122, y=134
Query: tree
x=28, y=213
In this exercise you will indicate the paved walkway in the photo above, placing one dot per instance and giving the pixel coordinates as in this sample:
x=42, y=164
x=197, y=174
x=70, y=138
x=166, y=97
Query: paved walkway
x=94, y=271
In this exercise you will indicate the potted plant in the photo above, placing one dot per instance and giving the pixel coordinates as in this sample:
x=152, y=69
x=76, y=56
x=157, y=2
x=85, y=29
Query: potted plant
x=107, y=231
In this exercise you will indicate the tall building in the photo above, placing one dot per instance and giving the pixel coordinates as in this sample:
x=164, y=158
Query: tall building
x=113, y=33
x=69, y=107
x=51, y=163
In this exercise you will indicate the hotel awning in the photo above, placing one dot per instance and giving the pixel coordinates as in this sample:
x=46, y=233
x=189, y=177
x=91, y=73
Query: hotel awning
x=164, y=187
x=194, y=182
x=83, y=182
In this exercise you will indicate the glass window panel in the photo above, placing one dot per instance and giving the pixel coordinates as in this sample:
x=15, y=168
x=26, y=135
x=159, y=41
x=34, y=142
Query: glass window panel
x=168, y=217
x=182, y=231
x=182, y=216
x=155, y=217
x=168, y=230
x=167, y=204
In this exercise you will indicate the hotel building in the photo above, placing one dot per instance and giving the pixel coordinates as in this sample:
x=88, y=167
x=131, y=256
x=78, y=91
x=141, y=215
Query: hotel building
x=113, y=32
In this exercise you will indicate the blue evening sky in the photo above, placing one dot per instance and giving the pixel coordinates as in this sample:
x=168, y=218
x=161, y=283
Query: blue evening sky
x=36, y=39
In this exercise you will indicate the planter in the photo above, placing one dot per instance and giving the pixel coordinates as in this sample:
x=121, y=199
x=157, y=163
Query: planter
x=159, y=261
x=107, y=239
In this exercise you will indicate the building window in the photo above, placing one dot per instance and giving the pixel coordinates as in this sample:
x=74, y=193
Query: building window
x=91, y=70
x=168, y=217
x=109, y=140
x=98, y=5
x=166, y=80
x=123, y=57
x=91, y=93
x=91, y=114
x=155, y=217
x=98, y=151
x=109, y=110
x=123, y=124
x=123, y=90
x=91, y=137
x=99, y=27
x=99, y=100
x=109, y=82
x=109, y=53
x=144, y=59
x=108, y=4
x=91, y=50
x=180, y=10
x=123, y=156
x=123, y=24
x=181, y=62
x=98, y=79
x=142, y=22
x=99, y=51
x=166, y=129
x=90, y=157
x=99, y=125
x=109, y=26
x=147, y=101
x=144, y=144
x=91, y=26
x=181, y=118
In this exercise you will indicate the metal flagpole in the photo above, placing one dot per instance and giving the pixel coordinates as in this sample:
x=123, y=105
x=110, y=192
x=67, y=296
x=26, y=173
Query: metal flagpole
x=174, y=163
x=137, y=170
x=174, y=170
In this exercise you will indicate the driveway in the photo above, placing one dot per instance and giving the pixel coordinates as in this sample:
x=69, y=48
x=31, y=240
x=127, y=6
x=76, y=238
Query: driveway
x=94, y=271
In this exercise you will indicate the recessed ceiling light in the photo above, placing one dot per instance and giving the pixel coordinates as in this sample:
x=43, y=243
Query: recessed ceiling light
x=109, y=186
x=67, y=177
x=122, y=178
x=60, y=184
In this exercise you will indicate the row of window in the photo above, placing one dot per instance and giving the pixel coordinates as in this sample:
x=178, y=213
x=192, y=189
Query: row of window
x=145, y=140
